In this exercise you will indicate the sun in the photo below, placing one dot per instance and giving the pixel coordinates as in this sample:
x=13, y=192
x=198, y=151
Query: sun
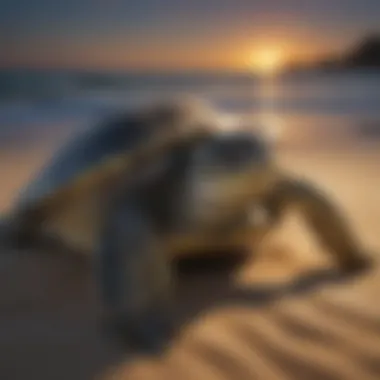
x=267, y=61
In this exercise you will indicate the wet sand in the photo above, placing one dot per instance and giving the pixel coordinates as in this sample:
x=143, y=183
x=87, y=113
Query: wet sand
x=284, y=314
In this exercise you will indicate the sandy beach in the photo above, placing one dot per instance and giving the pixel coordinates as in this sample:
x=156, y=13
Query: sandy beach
x=282, y=315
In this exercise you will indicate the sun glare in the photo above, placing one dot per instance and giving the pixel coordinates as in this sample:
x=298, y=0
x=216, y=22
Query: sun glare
x=267, y=61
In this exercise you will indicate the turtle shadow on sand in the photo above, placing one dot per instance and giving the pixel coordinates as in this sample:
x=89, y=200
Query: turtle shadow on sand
x=207, y=282
x=48, y=310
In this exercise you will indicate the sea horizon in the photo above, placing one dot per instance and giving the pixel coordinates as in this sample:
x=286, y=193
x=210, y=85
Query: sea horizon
x=309, y=107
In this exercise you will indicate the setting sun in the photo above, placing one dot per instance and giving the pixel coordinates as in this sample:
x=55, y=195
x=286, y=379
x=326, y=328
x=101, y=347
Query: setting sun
x=267, y=61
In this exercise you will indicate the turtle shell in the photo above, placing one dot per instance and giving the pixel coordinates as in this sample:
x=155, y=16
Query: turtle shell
x=66, y=199
x=111, y=144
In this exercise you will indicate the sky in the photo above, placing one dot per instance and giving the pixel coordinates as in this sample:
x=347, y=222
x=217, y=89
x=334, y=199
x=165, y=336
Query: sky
x=177, y=34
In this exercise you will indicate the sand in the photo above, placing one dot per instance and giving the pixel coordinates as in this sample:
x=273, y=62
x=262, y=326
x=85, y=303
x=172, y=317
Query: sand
x=282, y=315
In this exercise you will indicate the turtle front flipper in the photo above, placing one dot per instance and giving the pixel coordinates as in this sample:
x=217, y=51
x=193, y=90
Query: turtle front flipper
x=135, y=281
x=323, y=217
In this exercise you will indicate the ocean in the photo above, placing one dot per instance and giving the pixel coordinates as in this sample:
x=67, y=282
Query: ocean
x=307, y=108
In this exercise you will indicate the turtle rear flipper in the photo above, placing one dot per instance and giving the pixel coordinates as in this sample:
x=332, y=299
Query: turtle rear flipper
x=17, y=233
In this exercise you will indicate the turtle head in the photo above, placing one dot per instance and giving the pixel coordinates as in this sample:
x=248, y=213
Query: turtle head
x=235, y=162
x=232, y=153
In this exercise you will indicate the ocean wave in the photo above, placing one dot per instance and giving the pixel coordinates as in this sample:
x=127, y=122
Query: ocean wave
x=324, y=106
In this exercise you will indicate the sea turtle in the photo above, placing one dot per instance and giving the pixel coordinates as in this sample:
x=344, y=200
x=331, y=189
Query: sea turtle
x=160, y=183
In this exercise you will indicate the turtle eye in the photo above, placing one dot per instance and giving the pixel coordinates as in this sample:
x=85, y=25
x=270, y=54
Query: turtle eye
x=240, y=149
x=231, y=151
